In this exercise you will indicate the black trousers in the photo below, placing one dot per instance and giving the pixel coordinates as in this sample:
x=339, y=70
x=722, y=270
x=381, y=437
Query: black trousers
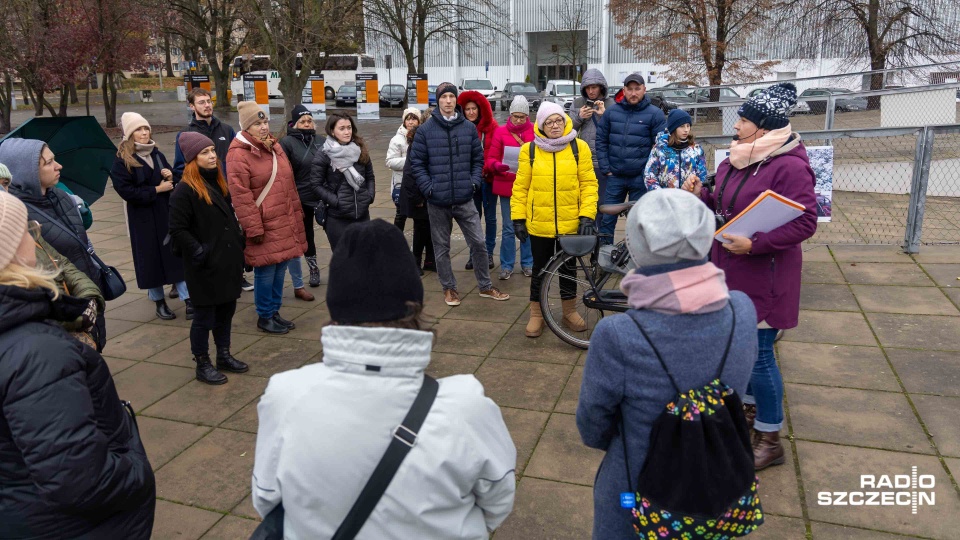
x=335, y=227
x=308, y=224
x=543, y=250
x=422, y=240
x=206, y=319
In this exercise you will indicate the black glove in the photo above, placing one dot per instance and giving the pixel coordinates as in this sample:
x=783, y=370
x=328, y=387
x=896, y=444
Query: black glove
x=587, y=227
x=199, y=255
x=520, y=230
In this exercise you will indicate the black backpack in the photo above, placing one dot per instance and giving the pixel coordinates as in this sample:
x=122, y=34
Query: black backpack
x=573, y=146
x=698, y=480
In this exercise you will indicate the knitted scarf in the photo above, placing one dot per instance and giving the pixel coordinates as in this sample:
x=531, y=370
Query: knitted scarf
x=342, y=158
x=144, y=151
x=697, y=289
x=554, y=145
x=742, y=155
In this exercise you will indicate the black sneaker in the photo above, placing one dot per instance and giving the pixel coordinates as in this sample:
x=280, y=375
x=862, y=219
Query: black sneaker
x=271, y=326
x=280, y=320
x=246, y=285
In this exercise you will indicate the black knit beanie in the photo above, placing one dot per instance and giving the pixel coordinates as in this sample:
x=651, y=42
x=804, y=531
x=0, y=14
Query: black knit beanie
x=445, y=87
x=770, y=109
x=372, y=275
x=297, y=112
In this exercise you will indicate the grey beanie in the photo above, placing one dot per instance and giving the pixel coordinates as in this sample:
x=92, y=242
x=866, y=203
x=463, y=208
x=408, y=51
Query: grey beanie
x=520, y=105
x=668, y=226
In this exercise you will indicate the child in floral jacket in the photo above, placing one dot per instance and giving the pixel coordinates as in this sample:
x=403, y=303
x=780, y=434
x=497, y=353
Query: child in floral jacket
x=676, y=156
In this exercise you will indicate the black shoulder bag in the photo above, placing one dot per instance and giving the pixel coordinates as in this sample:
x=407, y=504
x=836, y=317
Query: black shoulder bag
x=404, y=438
x=112, y=285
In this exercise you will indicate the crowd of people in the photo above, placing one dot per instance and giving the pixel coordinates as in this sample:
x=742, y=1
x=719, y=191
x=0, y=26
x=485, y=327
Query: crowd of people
x=704, y=313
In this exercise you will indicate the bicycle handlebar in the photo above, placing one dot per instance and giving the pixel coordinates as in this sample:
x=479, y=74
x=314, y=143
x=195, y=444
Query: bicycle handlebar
x=616, y=209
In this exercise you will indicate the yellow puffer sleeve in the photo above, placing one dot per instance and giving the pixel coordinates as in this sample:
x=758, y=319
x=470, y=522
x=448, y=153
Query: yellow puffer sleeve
x=521, y=186
x=589, y=197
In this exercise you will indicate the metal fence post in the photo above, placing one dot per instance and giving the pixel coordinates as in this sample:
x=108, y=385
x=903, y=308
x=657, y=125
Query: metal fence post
x=831, y=110
x=918, y=190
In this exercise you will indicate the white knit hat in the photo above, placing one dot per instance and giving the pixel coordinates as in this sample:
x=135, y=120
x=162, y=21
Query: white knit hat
x=668, y=226
x=13, y=222
x=407, y=112
x=546, y=110
x=520, y=105
x=130, y=122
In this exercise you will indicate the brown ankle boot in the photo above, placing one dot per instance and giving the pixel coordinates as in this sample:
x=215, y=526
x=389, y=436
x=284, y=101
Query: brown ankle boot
x=750, y=413
x=535, y=324
x=767, y=450
x=572, y=319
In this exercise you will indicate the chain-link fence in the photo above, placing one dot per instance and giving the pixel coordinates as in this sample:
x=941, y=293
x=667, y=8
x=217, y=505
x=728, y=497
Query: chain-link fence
x=889, y=186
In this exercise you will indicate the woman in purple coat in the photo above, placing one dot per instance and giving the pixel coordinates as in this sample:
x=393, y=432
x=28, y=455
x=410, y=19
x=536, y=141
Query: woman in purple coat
x=766, y=154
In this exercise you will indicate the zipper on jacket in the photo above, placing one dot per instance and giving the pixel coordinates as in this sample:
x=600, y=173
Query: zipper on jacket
x=450, y=153
x=556, y=211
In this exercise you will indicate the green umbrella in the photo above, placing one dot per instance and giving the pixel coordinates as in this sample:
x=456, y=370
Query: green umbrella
x=81, y=146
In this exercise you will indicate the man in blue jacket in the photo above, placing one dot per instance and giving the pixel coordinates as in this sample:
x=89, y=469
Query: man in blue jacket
x=625, y=136
x=446, y=159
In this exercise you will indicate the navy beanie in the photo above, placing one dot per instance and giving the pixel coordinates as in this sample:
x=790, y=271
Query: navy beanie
x=677, y=118
x=372, y=275
x=770, y=109
x=297, y=112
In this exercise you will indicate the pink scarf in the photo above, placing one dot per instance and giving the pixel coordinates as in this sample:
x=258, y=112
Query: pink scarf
x=698, y=289
x=742, y=155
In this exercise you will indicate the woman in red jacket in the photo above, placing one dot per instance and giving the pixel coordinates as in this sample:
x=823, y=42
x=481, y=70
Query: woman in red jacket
x=513, y=134
x=261, y=183
x=477, y=109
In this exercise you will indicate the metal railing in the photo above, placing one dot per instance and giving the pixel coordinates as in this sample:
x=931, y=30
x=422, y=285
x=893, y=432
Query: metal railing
x=890, y=185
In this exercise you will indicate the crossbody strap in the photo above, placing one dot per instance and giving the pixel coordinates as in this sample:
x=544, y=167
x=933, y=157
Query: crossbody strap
x=273, y=176
x=86, y=245
x=404, y=439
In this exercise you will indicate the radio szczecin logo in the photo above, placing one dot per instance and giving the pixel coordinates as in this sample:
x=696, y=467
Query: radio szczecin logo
x=911, y=490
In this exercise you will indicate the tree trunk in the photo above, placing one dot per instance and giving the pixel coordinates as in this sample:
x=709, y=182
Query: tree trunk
x=109, y=92
x=24, y=91
x=221, y=81
x=87, y=96
x=166, y=48
x=877, y=61
x=38, y=102
x=64, y=99
x=73, y=93
x=6, y=102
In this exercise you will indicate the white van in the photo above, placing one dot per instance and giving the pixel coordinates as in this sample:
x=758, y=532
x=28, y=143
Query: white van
x=484, y=86
x=562, y=92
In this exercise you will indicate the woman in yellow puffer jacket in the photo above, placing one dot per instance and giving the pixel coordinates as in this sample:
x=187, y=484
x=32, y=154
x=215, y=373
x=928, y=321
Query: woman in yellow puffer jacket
x=555, y=193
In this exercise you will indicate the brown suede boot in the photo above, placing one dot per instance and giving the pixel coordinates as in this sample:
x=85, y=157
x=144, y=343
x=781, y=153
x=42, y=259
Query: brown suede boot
x=572, y=319
x=535, y=324
x=767, y=450
x=750, y=413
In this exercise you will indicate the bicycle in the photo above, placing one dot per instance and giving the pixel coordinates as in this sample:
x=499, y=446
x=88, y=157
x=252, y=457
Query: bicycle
x=596, y=279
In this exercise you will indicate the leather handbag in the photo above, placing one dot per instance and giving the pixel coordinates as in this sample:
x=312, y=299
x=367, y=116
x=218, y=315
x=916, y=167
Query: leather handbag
x=404, y=438
x=112, y=285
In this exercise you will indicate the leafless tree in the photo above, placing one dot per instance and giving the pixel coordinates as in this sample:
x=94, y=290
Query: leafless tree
x=410, y=24
x=571, y=22
x=697, y=39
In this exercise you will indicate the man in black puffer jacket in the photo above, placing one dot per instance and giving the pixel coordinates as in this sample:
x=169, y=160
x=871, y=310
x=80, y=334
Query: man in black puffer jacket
x=625, y=135
x=71, y=461
x=446, y=158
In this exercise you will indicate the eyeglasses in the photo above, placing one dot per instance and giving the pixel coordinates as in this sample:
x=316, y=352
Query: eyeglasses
x=35, y=229
x=554, y=123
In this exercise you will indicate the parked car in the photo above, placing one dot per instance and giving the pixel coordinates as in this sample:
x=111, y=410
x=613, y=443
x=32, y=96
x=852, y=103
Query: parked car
x=525, y=89
x=726, y=94
x=484, y=86
x=561, y=92
x=816, y=98
x=393, y=94
x=800, y=108
x=669, y=98
x=412, y=89
x=347, y=95
x=679, y=85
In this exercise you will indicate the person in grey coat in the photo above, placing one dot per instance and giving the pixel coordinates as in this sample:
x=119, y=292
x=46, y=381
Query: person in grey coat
x=682, y=303
x=586, y=112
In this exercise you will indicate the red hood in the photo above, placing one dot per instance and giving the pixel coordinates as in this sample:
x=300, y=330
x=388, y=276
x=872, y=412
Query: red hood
x=487, y=123
x=619, y=97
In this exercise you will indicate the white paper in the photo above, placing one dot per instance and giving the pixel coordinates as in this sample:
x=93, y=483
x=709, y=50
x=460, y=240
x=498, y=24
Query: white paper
x=511, y=157
x=764, y=217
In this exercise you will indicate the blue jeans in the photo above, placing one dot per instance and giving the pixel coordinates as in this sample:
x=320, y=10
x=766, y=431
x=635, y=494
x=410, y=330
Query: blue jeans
x=296, y=272
x=618, y=188
x=765, y=389
x=156, y=293
x=490, y=216
x=508, y=242
x=268, y=288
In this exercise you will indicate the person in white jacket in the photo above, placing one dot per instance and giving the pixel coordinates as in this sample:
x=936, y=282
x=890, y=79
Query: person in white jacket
x=397, y=157
x=324, y=427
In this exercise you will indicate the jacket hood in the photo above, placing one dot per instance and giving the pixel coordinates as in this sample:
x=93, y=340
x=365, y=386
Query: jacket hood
x=214, y=122
x=436, y=115
x=567, y=128
x=402, y=131
x=19, y=305
x=593, y=76
x=22, y=157
x=395, y=352
x=487, y=123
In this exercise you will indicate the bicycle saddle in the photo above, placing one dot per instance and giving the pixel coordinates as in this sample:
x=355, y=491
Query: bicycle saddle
x=616, y=209
x=577, y=245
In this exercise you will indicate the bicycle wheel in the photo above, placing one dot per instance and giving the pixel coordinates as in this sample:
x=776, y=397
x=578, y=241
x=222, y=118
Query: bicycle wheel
x=551, y=297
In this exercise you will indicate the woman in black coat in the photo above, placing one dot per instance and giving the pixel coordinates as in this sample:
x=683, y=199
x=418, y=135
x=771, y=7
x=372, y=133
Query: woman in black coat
x=71, y=461
x=143, y=178
x=204, y=231
x=413, y=205
x=344, y=153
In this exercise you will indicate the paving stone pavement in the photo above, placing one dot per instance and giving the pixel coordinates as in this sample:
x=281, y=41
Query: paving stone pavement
x=872, y=378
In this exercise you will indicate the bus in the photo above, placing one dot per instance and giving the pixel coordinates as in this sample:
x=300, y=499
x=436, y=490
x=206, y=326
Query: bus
x=337, y=69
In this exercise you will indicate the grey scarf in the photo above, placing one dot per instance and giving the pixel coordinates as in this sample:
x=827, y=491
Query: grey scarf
x=144, y=151
x=342, y=158
x=554, y=145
